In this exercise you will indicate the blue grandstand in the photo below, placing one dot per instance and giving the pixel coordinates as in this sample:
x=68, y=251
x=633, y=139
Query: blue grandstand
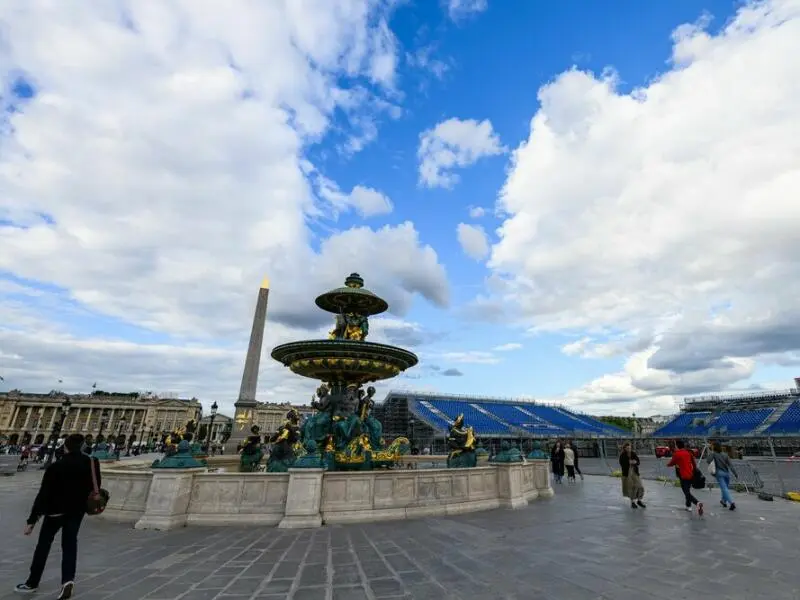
x=491, y=418
x=763, y=413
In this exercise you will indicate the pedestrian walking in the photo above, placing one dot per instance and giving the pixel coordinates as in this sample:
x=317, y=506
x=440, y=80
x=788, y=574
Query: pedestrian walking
x=569, y=463
x=686, y=466
x=632, y=487
x=720, y=466
x=557, y=461
x=577, y=465
x=62, y=500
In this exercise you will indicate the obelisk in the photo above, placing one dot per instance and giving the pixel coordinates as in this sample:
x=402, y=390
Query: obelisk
x=246, y=403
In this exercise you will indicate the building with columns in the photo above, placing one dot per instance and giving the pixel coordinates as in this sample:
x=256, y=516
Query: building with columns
x=29, y=418
x=267, y=415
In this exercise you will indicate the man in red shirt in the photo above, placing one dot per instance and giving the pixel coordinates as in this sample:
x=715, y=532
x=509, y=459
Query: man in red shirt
x=684, y=461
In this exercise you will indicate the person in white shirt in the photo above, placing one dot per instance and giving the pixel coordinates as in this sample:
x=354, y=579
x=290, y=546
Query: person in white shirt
x=569, y=463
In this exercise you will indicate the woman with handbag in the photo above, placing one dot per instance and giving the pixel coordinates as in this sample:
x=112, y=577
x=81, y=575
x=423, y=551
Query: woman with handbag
x=65, y=495
x=720, y=467
x=687, y=474
x=632, y=487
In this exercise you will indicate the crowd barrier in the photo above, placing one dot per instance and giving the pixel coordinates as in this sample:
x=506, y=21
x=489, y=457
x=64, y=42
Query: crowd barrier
x=776, y=477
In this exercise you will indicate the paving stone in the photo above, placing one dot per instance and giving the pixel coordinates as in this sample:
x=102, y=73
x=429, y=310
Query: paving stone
x=277, y=586
x=319, y=593
x=585, y=543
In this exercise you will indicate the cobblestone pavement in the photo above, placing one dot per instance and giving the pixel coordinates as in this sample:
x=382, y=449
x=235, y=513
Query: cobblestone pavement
x=586, y=543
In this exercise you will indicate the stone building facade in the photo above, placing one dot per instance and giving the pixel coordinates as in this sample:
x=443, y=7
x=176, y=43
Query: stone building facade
x=26, y=416
x=268, y=416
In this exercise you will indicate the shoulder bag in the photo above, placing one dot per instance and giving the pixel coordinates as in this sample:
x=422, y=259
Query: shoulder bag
x=698, y=479
x=98, y=497
x=712, y=466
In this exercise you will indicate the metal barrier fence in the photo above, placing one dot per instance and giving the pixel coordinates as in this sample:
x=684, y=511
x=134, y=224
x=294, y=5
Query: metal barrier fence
x=776, y=476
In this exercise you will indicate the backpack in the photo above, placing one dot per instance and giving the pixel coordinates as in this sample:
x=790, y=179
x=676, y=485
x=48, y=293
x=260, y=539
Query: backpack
x=98, y=497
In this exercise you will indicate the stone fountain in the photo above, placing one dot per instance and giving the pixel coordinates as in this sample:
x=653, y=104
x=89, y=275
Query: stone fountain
x=343, y=430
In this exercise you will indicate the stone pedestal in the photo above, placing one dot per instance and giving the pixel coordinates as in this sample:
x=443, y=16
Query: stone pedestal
x=510, y=485
x=303, y=500
x=168, y=499
x=542, y=478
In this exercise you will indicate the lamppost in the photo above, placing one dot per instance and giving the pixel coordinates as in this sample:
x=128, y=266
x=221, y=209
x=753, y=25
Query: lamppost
x=56, y=430
x=149, y=436
x=211, y=426
x=411, y=423
x=141, y=436
x=122, y=423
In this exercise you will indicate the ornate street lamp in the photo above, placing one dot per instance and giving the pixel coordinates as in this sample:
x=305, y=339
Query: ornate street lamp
x=149, y=436
x=57, y=430
x=411, y=423
x=211, y=425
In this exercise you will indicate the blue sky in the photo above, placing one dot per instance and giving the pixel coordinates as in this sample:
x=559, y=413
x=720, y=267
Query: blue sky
x=148, y=188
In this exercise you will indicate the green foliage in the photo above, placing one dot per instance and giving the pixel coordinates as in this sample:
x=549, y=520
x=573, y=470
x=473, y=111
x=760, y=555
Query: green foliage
x=621, y=422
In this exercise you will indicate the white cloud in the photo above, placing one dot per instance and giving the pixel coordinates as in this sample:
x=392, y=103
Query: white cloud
x=460, y=9
x=454, y=143
x=367, y=201
x=477, y=357
x=507, y=347
x=423, y=58
x=476, y=212
x=166, y=150
x=473, y=240
x=672, y=204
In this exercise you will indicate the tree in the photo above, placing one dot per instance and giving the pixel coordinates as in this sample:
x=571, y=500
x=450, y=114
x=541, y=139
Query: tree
x=202, y=431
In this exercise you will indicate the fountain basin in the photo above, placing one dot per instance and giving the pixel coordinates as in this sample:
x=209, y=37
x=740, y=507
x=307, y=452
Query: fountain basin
x=343, y=360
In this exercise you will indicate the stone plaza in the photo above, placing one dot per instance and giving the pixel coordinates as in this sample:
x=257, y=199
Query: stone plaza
x=584, y=543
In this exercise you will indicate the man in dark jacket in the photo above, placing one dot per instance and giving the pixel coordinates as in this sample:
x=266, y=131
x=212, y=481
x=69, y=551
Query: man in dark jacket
x=61, y=500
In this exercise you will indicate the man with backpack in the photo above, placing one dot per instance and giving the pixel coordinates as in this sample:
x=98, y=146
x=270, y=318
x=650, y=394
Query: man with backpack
x=685, y=465
x=62, y=500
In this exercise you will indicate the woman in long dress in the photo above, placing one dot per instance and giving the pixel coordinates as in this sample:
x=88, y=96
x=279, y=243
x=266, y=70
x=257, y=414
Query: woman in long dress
x=632, y=487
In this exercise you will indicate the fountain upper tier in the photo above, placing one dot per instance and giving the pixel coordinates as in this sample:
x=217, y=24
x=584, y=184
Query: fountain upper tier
x=345, y=357
x=352, y=298
x=344, y=361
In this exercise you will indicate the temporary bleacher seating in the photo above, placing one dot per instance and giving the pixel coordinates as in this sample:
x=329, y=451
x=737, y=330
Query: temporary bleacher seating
x=512, y=419
x=691, y=423
x=789, y=421
x=738, y=422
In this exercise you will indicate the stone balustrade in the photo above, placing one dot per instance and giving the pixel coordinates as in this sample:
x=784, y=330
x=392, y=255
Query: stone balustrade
x=171, y=498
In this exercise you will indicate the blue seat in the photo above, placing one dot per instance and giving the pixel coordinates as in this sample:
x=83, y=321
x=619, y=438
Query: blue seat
x=681, y=425
x=789, y=421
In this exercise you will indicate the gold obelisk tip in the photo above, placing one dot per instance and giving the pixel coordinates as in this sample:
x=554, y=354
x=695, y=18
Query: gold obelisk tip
x=265, y=283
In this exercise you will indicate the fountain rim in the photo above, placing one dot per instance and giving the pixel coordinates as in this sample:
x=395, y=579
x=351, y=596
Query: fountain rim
x=282, y=352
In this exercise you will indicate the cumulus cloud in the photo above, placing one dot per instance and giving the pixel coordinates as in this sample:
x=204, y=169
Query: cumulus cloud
x=473, y=240
x=461, y=9
x=476, y=212
x=156, y=170
x=366, y=201
x=454, y=143
x=655, y=206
